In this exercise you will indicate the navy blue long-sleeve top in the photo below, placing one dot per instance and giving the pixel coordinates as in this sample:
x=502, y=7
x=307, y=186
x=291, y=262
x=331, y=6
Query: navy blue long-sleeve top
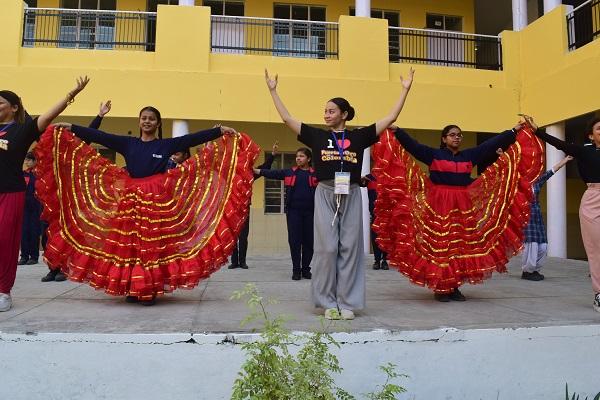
x=299, y=184
x=447, y=168
x=145, y=158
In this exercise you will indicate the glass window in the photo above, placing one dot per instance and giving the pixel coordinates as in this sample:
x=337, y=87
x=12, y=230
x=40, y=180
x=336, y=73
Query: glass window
x=87, y=30
x=231, y=8
x=299, y=39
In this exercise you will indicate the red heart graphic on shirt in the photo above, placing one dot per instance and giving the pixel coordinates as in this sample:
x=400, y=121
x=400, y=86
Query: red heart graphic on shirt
x=2, y=133
x=345, y=145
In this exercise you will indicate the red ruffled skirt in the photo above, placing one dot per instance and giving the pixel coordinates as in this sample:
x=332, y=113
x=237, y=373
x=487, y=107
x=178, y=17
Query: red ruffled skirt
x=148, y=236
x=443, y=236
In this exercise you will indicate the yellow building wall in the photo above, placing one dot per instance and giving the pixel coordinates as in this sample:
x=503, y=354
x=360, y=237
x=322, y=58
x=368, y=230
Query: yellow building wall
x=186, y=81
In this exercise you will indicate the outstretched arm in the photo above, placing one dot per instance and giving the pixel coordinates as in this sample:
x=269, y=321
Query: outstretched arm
x=569, y=148
x=46, y=118
x=561, y=163
x=389, y=119
x=290, y=121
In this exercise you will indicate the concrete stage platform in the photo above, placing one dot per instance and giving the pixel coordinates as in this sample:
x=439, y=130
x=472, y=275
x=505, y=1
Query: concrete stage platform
x=511, y=338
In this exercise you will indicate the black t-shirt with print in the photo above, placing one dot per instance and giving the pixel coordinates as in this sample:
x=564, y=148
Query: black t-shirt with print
x=15, y=140
x=326, y=156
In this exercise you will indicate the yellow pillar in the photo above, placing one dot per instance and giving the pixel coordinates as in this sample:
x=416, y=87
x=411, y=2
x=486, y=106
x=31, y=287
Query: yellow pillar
x=186, y=48
x=10, y=44
x=363, y=48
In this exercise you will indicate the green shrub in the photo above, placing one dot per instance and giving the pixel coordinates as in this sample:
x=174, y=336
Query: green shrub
x=272, y=372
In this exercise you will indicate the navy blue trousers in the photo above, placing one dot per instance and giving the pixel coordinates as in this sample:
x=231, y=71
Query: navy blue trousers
x=300, y=237
x=30, y=235
x=238, y=257
x=379, y=255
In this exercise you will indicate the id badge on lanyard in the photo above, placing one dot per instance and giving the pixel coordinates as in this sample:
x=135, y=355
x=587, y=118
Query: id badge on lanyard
x=342, y=183
x=342, y=179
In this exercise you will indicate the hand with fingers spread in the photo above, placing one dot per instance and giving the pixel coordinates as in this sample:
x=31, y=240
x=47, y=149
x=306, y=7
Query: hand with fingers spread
x=225, y=130
x=104, y=108
x=82, y=82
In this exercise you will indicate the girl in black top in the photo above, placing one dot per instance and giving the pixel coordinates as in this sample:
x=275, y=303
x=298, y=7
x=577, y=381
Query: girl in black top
x=588, y=163
x=338, y=281
x=17, y=132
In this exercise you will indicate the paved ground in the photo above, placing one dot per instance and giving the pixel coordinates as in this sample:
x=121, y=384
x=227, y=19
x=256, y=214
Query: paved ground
x=564, y=298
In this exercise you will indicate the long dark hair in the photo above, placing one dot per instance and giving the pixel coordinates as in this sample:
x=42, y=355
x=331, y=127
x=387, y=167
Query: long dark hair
x=445, y=133
x=306, y=151
x=344, y=105
x=589, y=129
x=14, y=100
x=158, y=117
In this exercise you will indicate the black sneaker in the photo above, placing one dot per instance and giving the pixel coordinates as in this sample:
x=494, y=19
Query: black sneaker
x=532, y=276
x=456, y=295
x=244, y=266
x=131, y=299
x=306, y=274
x=233, y=266
x=50, y=276
x=296, y=275
x=31, y=261
x=148, y=303
x=376, y=265
x=442, y=297
x=60, y=277
x=22, y=261
x=384, y=265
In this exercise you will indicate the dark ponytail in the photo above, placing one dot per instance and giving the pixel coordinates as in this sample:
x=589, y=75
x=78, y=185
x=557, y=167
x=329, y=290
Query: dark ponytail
x=158, y=118
x=14, y=100
x=445, y=133
x=344, y=106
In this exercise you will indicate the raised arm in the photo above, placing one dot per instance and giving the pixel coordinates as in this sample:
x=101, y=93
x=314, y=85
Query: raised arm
x=290, y=121
x=46, y=118
x=104, y=109
x=561, y=163
x=389, y=119
x=278, y=174
x=488, y=150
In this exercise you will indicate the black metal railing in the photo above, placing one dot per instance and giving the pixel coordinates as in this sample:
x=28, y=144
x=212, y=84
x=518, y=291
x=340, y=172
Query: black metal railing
x=454, y=49
x=89, y=29
x=583, y=24
x=276, y=37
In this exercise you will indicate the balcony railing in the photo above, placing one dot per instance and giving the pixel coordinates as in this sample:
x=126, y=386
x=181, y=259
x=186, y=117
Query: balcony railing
x=583, y=24
x=276, y=37
x=455, y=49
x=89, y=29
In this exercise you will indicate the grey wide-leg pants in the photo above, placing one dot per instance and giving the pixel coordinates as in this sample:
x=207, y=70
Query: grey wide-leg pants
x=338, y=274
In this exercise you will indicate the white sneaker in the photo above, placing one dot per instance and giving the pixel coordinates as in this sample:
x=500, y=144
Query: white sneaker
x=347, y=314
x=597, y=302
x=5, y=302
x=332, y=313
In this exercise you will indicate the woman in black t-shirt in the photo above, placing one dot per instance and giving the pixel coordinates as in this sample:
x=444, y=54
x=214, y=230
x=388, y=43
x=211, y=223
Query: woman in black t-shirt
x=338, y=279
x=17, y=132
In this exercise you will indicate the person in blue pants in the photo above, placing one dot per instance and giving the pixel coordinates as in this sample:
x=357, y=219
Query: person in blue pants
x=300, y=184
x=30, y=237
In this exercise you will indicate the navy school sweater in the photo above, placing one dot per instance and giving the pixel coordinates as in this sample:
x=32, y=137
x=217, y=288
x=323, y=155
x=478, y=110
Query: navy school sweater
x=299, y=186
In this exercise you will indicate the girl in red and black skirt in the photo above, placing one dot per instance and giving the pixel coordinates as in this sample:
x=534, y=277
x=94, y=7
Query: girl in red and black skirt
x=447, y=229
x=143, y=231
x=18, y=131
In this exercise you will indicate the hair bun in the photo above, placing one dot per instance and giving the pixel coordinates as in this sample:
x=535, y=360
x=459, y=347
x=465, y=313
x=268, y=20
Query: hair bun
x=350, y=113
